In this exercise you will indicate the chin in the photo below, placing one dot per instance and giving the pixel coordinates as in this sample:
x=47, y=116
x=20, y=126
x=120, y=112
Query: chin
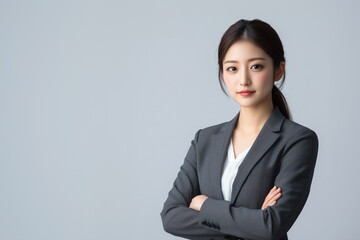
x=246, y=106
x=246, y=103
x=242, y=104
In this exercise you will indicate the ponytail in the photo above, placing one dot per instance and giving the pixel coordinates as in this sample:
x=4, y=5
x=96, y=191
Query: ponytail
x=279, y=100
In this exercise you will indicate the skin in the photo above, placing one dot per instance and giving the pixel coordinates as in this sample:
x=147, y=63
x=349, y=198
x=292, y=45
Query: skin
x=248, y=67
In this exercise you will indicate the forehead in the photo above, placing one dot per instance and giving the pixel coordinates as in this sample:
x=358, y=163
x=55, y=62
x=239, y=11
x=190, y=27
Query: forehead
x=243, y=50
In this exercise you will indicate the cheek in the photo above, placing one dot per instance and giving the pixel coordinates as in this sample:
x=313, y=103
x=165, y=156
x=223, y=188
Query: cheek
x=229, y=80
x=226, y=81
x=265, y=80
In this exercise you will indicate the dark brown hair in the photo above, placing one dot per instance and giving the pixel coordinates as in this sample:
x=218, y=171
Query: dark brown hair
x=264, y=36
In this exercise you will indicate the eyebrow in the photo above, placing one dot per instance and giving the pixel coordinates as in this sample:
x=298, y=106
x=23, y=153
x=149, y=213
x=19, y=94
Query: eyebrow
x=251, y=59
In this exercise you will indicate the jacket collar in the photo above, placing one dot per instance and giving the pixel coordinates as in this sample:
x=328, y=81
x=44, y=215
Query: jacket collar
x=273, y=123
x=219, y=146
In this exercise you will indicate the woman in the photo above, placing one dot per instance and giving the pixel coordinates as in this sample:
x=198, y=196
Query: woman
x=248, y=178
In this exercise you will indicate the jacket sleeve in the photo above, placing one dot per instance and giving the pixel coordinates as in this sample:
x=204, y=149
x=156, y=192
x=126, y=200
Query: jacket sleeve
x=294, y=178
x=177, y=218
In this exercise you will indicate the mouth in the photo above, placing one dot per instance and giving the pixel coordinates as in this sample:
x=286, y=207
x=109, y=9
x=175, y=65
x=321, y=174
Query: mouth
x=246, y=93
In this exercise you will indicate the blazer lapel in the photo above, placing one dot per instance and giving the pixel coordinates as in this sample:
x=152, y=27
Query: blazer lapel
x=221, y=140
x=219, y=146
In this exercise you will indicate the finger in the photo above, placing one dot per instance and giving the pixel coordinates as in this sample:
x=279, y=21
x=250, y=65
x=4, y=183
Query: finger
x=271, y=194
x=273, y=190
x=272, y=198
x=275, y=197
x=264, y=206
x=267, y=200
x=272, y=203
x=266, y=203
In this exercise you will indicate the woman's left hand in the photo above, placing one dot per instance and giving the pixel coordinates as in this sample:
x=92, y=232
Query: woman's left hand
x=197, y=202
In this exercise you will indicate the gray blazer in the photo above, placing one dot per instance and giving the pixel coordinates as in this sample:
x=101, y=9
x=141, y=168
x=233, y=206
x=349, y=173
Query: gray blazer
x=283, y=154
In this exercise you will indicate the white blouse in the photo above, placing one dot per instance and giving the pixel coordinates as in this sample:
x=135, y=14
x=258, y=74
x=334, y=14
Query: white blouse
x=230, y=170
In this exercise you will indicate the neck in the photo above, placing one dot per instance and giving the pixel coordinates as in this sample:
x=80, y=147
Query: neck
x=252, y=119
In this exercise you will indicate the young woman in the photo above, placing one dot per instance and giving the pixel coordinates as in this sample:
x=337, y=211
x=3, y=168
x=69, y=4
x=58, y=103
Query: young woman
x=248, y=178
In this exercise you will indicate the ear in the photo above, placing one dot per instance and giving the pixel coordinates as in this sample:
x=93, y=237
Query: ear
x=279, y=72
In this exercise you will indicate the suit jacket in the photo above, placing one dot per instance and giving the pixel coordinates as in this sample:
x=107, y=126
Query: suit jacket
x=283, y=154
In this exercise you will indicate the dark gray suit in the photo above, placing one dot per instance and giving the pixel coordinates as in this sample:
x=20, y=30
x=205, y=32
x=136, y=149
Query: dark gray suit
x=283, y=154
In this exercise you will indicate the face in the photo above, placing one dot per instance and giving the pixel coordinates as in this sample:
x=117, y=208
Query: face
x=247, y=67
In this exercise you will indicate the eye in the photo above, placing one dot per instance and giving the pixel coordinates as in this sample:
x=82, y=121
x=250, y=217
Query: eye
x=256, y=67
x=231, y=69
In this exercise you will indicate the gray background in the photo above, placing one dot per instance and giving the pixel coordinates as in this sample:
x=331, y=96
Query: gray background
x=99, y=101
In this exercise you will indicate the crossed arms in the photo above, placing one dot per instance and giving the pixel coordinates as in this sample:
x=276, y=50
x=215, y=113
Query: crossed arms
x=187, y=213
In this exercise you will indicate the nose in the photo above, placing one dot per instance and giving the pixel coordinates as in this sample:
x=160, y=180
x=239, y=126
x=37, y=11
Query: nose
x=244, y=78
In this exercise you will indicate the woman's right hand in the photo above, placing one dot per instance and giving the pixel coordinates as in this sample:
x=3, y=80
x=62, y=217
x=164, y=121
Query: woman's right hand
x=272, y=197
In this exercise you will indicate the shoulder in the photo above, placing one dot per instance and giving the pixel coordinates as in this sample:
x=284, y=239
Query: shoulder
x=293, y=132
x=205, y=133
x=291, y=127
x=213, y=128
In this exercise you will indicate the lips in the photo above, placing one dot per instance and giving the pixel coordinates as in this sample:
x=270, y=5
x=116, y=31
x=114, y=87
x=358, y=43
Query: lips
x=246, y=93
